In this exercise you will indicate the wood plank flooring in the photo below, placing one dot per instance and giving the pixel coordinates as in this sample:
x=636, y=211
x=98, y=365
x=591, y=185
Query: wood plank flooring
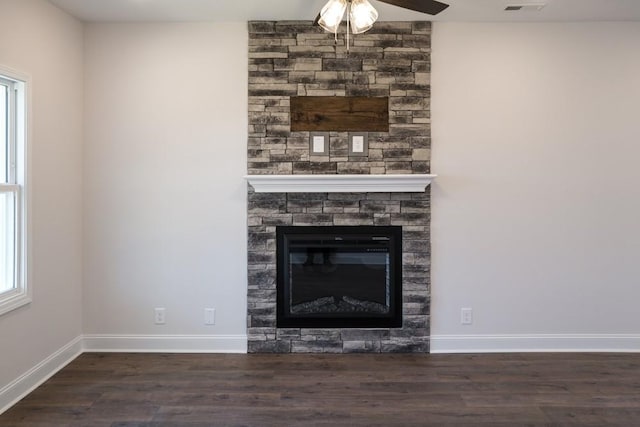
x=127, y=390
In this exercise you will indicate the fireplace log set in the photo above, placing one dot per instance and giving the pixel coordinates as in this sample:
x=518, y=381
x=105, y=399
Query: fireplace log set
x=344, y=304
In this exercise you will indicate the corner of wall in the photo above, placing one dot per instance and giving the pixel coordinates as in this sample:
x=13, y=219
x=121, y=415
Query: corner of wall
x=34, y=377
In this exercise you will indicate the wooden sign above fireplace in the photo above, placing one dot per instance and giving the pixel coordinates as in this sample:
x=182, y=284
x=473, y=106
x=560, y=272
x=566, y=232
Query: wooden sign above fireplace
x=339, y=113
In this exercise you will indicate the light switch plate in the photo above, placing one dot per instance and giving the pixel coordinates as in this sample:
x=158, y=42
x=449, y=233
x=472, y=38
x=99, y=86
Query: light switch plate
x=318, y=143
x=358, y=144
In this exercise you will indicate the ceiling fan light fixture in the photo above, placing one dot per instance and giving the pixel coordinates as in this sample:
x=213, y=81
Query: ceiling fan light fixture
x=331, y=15
x=363, y=15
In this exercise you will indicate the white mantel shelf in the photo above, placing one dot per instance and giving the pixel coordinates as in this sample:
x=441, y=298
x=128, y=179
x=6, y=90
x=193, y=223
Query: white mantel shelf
x=415, y=183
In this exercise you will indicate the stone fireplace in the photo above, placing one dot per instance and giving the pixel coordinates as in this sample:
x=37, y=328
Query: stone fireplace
x=297, y=59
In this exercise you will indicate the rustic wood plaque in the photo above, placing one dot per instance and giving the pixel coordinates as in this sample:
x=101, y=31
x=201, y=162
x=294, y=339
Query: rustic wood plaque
x=339, y=113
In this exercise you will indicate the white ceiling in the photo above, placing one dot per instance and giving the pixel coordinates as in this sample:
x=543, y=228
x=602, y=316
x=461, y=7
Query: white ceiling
x=247, y=10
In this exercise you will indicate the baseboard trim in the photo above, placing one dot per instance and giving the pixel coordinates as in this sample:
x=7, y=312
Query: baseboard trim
x=578, y=343
x=166, y=343
x=34, y=377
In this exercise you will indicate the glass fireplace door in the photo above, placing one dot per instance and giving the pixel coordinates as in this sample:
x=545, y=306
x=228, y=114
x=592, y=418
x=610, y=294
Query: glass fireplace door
x=339, y=276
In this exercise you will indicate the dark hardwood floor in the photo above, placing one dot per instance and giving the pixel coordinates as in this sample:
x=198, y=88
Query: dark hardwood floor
x=337, y=390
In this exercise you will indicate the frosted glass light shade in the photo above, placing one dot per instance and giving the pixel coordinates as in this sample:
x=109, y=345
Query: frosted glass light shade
x=331, y=15
x=363, y=15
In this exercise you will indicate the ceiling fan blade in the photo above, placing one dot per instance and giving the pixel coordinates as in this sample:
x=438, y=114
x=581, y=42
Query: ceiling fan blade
x=431, y=7
x=315, y=22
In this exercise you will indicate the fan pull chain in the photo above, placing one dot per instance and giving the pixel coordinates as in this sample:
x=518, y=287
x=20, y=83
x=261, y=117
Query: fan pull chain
x=348, y=24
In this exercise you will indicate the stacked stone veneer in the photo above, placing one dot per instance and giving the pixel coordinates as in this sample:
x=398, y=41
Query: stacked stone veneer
x=298, y=59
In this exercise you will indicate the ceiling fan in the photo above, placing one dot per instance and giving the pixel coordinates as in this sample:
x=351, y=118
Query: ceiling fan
x=361, y=14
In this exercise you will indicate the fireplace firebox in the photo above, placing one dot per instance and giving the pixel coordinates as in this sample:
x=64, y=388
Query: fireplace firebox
x=339, y=277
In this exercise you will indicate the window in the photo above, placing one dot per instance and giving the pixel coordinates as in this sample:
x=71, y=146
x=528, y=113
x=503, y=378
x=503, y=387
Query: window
x=13, y=286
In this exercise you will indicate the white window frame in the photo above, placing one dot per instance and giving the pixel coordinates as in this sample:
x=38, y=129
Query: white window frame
x=18, y=156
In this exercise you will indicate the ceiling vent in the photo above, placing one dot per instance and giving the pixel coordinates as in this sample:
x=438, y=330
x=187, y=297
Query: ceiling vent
x=525, y=7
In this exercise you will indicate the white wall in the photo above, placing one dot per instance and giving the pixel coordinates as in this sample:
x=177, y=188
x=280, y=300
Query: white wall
x=536, y=208
x=39, y=40
x=165, y=199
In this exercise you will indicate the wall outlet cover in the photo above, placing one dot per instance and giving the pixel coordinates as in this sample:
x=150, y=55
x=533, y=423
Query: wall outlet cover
x=160, y=316
x=466, y=316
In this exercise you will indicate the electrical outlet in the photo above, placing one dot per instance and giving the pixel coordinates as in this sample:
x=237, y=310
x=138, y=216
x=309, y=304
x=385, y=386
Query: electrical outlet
x=466, y=316
x=209, y=316
x=159, y=316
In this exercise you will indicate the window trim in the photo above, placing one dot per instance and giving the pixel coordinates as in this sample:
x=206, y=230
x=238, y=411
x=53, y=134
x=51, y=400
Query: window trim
x=19, y=155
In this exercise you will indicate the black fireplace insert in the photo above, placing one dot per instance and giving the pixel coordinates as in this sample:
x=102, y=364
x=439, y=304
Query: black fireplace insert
x=339, y=277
